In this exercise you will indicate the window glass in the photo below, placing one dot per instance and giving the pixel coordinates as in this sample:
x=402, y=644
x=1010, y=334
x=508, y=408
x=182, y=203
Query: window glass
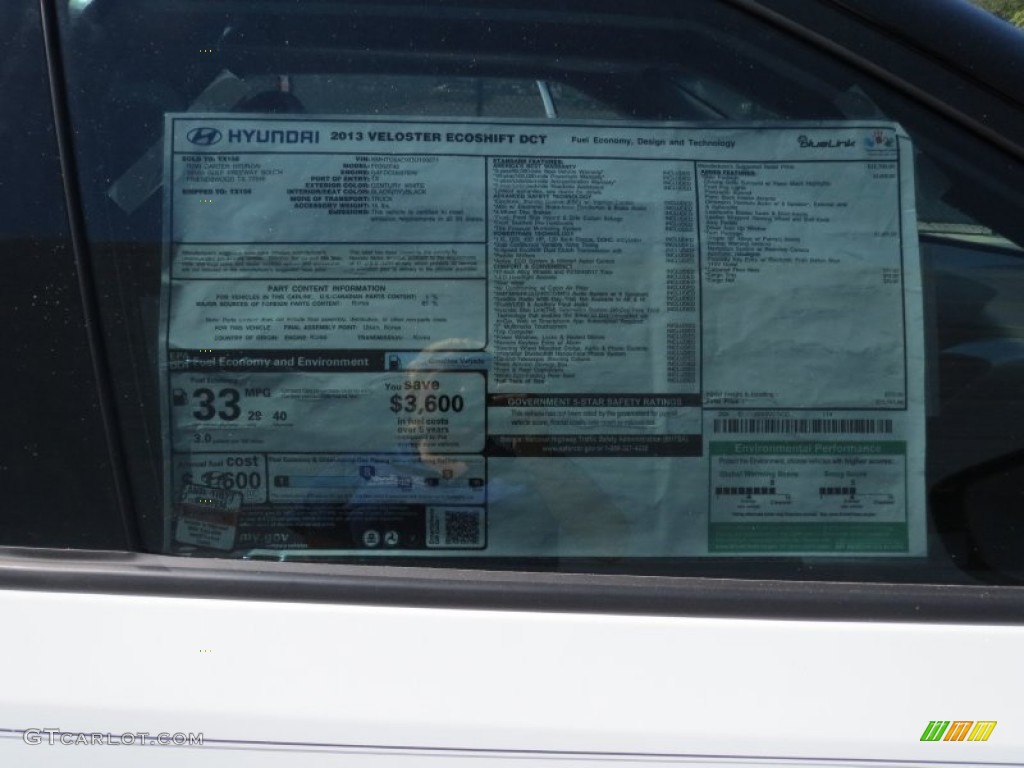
x=657, y=289
x=55, y=474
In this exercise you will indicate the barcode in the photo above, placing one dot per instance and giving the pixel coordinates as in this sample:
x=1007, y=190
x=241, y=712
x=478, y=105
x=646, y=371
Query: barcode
x=462, y=527
x=803, y=426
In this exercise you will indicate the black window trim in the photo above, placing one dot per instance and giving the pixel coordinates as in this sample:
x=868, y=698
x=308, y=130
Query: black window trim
x=137, y=574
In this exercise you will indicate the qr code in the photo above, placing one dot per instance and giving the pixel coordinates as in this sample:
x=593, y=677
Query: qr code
x=458, y=527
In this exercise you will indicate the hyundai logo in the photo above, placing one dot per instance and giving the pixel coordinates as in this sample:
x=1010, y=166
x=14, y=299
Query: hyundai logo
x=204, y=137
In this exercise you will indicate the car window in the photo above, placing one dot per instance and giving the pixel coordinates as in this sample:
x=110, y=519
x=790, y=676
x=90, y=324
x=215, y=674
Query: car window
x=53, y=409
x=657, y=289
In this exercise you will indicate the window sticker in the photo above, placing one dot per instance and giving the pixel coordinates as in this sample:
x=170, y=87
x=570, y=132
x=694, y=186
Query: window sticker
x=503, y=338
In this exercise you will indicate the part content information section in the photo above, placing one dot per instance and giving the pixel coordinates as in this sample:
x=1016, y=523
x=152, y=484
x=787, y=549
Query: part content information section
x=538, y=339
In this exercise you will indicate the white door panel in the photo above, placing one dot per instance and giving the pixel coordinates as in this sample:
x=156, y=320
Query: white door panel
x=306, y=684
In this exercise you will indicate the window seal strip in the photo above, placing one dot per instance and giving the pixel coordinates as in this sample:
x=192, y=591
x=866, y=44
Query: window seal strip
x=135, y=574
